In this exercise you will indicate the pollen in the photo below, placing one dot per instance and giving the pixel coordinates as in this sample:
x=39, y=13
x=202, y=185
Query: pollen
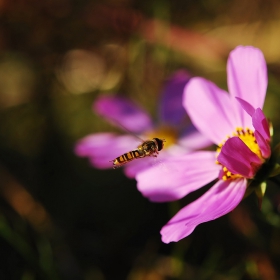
x=164, y=132
x=249, y=139
x=226, y=174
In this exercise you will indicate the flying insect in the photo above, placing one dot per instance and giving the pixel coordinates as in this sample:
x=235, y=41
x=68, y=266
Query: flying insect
x=147, y=148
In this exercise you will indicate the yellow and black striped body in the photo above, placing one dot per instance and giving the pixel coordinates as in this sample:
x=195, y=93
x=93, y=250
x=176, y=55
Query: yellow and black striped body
x=127, y=157
x=147, y=148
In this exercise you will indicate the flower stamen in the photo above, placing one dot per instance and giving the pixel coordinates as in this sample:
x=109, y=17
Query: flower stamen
x=249, y=139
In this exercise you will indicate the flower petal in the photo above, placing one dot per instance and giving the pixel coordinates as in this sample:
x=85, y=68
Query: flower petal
x=222, y=198
x=194, y=140
x=178, y=176
x=210, y=109
x=123, y=113
x=261, y=126
x=263, y=144
x=262, y=133
x=247, y=78
x=238, y=158
x=171, y=110
x=101, y=148
x=246, y=106
x=137, y=166
x=260, y=123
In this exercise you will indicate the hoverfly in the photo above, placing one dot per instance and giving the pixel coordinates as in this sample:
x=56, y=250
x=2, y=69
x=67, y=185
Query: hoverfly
x=147, y=148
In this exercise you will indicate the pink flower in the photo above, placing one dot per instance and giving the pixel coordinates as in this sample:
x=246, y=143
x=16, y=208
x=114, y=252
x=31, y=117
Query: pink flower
x=101, y=148
x=237, y=125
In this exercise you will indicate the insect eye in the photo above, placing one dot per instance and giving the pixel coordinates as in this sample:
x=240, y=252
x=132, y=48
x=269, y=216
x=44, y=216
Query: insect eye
x=159, y=143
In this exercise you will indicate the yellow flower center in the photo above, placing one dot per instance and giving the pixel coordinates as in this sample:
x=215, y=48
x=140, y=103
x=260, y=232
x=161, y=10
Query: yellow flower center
x=249, y=139
x=165, y=132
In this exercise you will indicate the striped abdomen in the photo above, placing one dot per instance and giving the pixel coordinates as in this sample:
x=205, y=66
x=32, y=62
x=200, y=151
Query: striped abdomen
x=125, y=158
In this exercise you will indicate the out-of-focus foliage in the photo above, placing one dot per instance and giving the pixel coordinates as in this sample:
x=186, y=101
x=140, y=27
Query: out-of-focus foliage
x=62, y=219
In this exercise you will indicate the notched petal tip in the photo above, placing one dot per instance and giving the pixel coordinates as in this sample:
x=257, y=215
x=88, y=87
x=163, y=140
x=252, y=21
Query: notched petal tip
x=247, y=74
x=222, y=198
x=247, y=78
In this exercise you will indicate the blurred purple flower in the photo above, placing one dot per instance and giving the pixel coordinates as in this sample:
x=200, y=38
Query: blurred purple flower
x=101, y=148
x=238, y=158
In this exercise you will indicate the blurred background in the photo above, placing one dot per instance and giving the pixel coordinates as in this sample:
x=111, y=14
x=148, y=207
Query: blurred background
x=60, y=218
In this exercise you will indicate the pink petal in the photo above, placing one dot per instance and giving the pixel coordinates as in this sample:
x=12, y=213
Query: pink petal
x=171, y=110
x=176, y=177
x=139, y=165
x=222, y=198
x=260, y=123
x=263, y=144
x=246, y=106
x=123, y=113
x=101, y=148
x=194, y=140
x=247, y=78
x=210, y=109
x=261, y=126
x=238, y=158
